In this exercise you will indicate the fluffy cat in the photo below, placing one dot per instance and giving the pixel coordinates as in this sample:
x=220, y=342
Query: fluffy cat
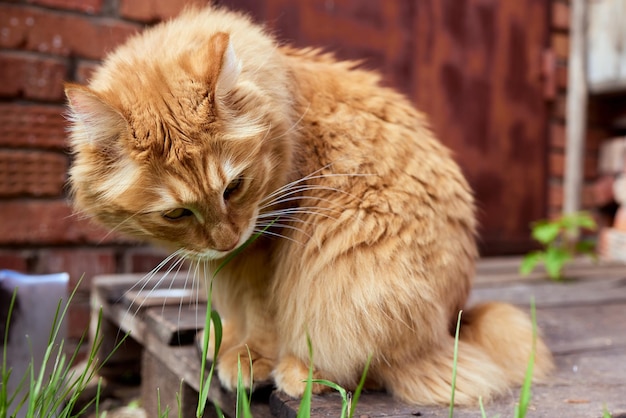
x=202, y=130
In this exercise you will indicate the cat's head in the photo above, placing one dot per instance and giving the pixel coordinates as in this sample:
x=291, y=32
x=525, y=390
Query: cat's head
x=179, y=149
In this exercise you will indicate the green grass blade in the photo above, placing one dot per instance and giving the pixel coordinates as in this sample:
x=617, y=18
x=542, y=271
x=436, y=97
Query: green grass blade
x=243, y=401
x=345, y=395
x=205, y=383
x=359, y=388
x=304, y=410
x=454, y=364
x=217, y=325
x=213, y=317
x=179, y=404
x=483, y=414
x=524, y=400
x=5, y=398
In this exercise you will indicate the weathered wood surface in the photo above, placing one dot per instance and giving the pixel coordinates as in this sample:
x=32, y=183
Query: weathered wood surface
x=583, y=321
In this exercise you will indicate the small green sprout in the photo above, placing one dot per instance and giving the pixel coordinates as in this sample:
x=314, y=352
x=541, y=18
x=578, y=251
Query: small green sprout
x=561, y=241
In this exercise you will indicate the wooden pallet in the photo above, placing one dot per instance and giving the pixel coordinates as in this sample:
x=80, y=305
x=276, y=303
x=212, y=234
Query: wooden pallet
x=583, y=321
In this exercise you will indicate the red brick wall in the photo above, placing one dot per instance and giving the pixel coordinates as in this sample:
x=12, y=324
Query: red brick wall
x=42, y=44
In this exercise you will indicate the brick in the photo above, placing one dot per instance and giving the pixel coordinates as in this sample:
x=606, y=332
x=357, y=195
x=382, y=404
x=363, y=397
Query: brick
x=79, y=263
x=560, y=16
x=154, y=10
x=87, y=6
x=560, y=45
x=596, y=135
x=561, y=76
x=556, y=162
x=558, y=107
x=557, y=135
x=41, y=222
x=84, y=71
x=555, y=196
x=15, y=260
x=29, y=173
x=557, y=165
x=603, y=190
x=32, y=126
x=62, y=34
x=31, y=76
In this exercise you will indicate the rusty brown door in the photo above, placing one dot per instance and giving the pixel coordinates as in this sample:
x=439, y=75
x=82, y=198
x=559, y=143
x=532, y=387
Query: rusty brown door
x=472, y=65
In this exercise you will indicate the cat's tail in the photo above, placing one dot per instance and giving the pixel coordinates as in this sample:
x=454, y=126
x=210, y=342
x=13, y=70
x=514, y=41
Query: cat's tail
x=495, y=344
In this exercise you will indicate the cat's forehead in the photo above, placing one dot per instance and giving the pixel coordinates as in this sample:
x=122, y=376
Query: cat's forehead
x=192, y=184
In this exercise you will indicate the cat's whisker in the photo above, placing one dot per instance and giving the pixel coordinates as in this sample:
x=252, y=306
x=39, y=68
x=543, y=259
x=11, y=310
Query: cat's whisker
x=283, y=217
x=175, y=264
x=294, y=209
x=328, y=213
x=294, y=188
x=116, y=227
x=299, y=180
x=296, y=198
x=300, y=188
x=282, y=225
x=82, y=215
x=180, y=303
x=142, y=283
x=148, y=276
x=275, y=234
x=301, y=209
x=295, y=126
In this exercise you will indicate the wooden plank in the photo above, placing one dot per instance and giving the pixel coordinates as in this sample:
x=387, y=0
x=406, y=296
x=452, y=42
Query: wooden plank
x=583, y=328
x=176, y=325
x=162, y=388
x=576, y=109
x=124, y=297
x=184, y=362
x=581, y=390
x=506, y=270
x=555, y=293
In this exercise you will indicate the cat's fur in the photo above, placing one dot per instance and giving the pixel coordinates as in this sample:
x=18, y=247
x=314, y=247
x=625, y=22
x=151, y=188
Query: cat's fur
x=372, y=248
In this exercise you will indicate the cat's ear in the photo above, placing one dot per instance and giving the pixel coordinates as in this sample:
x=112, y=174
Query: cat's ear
x=226, y=66
x=94, y=121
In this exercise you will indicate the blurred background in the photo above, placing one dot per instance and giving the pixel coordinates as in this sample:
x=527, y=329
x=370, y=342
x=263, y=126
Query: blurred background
x=491, y=75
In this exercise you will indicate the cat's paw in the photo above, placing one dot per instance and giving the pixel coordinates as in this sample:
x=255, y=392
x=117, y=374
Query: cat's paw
x=291, y=376
x=228, y=369
x=228, y=340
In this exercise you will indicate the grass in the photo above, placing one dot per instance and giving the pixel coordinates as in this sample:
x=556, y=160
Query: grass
x=522, y=405
x=55, y=394
x=524, y=398
x=454, y=364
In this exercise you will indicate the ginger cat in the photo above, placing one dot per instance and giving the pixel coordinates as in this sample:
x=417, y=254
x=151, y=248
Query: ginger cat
x=202, y=130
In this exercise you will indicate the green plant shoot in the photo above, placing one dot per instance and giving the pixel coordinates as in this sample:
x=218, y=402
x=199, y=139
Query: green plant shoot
x=561, y=242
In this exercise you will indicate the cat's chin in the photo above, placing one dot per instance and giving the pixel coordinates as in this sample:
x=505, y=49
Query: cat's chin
x=206, y=254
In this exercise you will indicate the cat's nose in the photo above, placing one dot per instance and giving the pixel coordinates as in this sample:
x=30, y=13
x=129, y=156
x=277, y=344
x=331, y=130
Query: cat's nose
x=226, y=248
x=225, y=238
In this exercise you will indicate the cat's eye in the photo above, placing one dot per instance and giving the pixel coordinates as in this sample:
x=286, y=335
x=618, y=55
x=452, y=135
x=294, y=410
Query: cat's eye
x=176, y=214
x=232, y=187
